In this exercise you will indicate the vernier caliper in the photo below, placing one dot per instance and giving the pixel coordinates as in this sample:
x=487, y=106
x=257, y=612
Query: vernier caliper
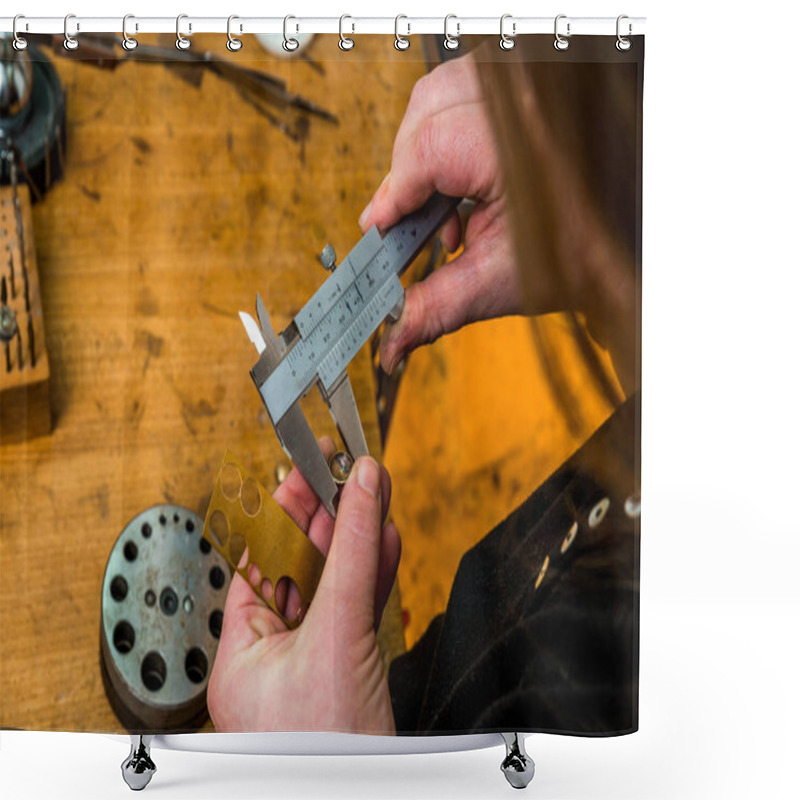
x=330, y=329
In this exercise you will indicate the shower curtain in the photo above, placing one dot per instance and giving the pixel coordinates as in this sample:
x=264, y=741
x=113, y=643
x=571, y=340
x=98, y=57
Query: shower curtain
x=496, y=586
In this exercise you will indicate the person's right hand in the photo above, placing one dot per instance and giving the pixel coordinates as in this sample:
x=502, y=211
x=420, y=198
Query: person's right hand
x=445, y=144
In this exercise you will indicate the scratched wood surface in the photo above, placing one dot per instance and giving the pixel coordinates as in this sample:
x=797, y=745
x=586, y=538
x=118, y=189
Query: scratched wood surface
x=177, y=203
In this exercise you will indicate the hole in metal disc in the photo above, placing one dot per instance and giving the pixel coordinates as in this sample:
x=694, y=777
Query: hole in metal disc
x=216, y=577
x=251, y=497
x=176, y=519
x=131, y=551
x=189, y=526
x=196, y=665
x=162, y=519
x=205, y=546
x=154, y=671
x=219, y=527
x=266, y=589
x=215, y=623
x=119, y=588
x=169, y=601
x=237, y=547
x=124, y=637
x=230, y=481
x=147, y=530
x=150, y=597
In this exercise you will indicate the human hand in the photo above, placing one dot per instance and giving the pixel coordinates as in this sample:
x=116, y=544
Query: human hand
x=326, y=675
x=445, y=144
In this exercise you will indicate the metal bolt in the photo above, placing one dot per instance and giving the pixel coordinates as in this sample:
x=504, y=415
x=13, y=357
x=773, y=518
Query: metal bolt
x=328, y=257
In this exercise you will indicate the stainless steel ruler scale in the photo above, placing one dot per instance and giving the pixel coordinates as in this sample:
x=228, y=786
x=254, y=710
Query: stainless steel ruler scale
x=327, y=333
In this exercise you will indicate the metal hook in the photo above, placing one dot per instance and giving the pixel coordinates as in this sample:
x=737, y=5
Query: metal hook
x=182, y=43
x=451, y=42
x=400, y=42
x=289, y=44
x=233, y=44
x=507, y=42
x=128, y=42
x=19, y=42
x=345, y=42
x=623, y=44
x=70, y=42
x=561, y=42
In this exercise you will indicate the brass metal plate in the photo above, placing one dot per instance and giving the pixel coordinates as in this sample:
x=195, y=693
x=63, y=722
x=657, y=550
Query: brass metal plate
x=243, y=515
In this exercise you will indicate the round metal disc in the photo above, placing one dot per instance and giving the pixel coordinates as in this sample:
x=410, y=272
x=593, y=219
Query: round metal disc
x=164, y=593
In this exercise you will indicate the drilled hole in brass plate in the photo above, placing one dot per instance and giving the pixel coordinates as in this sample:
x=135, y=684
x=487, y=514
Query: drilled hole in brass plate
x=254, y=575
x=230, y=481
x=283, y=597
x=154, y=671
x=124, y=637
x=266, y=589
x=219, y=527
x=216, y=577
x=237, y=547
x=251, y=497
x=196, y=665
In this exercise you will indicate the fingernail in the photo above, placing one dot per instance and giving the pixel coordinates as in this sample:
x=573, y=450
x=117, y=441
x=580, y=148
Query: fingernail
x=369, y=475
x=364, y=215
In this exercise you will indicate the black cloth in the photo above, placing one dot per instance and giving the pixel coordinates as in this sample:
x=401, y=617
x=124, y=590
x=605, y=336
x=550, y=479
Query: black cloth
x=509, y=656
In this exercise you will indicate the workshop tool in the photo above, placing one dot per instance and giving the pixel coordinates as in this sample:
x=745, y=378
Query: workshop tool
x=268, y=94
x=331, y=328
x=163, y=597
x=25, y=376
x=32, y=114
x=243, y=515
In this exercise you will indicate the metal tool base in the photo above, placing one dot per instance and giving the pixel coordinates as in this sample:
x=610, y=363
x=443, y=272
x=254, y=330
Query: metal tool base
x=138, y=768
x=517, y=766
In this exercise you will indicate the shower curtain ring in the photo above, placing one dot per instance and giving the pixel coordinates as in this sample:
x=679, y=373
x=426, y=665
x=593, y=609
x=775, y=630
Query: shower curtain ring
x=289, y=44
x=400, y=42
x=20, y=43
x=345, y=42
x=182, y=43
x=233, y=44
x=507, y=42
x=623, y=44
x=561, y=42
x=451, y=42
x=128, y=42
x=70, y=42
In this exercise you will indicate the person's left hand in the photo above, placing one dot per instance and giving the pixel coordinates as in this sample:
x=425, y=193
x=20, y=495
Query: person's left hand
x=326, y=675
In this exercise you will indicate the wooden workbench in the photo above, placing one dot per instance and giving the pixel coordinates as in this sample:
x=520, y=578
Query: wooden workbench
x=177, y=203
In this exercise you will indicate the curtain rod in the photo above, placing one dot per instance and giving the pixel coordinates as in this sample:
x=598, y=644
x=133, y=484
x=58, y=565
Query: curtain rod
x=350, y=25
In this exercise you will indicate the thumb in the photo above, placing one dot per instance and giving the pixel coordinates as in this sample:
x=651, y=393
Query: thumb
x=346, y=591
